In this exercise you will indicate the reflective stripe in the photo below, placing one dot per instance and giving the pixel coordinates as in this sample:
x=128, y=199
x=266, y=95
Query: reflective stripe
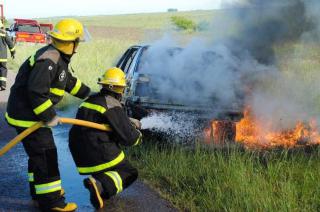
x=32, y=59
x=95, y=107
x=48, y=187
x=76, y=88
x=4, y=60
x=116, y=179
x=44, y=106
x=19, y=123
x=3, y=79
x=14, y=48
x=57, y=91
x=30, y=177
x=116, y=161
x=138, y=140
x=2, y=35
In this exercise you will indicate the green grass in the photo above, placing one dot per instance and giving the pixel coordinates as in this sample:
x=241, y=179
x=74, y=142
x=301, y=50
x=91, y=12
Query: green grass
x=213, y=180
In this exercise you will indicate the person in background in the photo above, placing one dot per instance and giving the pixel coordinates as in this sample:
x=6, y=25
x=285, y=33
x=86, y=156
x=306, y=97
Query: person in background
x=99, y=153
x=5, y=41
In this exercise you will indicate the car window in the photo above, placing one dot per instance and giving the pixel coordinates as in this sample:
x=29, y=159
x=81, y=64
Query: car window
x=142, y=59
x=28, y=28
x=125, y=66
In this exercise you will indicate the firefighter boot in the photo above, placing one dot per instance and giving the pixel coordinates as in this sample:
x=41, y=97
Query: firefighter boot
x=95, y=189
x=69, y=207
x=36, y=204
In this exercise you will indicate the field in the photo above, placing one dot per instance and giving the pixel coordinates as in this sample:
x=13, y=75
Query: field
x=231, y=179
x=202, y=179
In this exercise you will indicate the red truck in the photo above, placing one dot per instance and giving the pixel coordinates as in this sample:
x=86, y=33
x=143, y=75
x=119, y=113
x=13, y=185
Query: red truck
x=26, y=30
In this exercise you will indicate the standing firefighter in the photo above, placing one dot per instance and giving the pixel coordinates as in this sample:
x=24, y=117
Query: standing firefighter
x=4, y=42
x=40, y=84
x=98, y=153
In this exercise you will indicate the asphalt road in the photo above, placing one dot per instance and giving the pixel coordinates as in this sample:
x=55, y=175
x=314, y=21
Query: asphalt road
x=14, y=190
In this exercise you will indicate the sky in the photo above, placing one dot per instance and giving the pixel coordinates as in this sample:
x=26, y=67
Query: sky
x=42, y=8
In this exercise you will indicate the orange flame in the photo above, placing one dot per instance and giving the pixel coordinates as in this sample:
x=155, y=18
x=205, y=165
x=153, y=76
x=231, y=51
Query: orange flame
x=257, y=133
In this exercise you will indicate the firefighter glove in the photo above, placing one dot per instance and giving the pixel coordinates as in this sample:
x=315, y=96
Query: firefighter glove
x=53, y=122
x=13, y=53
x=136, y=123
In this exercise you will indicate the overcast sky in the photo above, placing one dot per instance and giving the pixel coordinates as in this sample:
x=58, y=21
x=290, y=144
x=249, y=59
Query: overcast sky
x=42, y=8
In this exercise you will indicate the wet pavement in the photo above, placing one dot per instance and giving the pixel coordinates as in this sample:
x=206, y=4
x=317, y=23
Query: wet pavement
x=14, y=190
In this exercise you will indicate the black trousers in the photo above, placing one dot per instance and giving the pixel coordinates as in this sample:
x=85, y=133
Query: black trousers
x=43, y=171
x=3, y=75
x=116, y=179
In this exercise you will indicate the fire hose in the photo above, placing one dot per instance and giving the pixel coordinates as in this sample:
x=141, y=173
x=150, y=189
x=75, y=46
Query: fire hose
x=38, y=125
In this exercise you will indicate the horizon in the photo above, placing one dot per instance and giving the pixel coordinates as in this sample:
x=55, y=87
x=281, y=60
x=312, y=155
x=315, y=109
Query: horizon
x=120, y=14
x=39, y=9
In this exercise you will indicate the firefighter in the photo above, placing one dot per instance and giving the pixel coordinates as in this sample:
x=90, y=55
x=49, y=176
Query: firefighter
x=98, y=153
x=40, y=84
x=4, y=42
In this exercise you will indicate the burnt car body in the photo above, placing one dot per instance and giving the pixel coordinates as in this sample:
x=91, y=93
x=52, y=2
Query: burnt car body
x=142, y=99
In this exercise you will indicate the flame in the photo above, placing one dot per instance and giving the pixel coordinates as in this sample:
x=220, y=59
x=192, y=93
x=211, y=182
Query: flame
x=257, y=133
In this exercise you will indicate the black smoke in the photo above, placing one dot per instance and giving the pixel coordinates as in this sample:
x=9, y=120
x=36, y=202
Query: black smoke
x=264, y=24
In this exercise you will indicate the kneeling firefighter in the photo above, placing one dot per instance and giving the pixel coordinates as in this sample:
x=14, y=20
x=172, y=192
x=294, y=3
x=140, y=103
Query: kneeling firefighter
x=40, y=84
x=98, y=153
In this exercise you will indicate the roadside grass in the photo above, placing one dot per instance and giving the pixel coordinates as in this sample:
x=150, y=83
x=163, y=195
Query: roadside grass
x=205, y=179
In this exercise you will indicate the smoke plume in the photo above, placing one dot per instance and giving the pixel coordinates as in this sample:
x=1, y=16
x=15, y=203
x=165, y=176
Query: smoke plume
x=239, y=64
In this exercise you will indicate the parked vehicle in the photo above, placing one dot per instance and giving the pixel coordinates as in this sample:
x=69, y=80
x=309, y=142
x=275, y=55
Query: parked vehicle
x=26, y=30
x=142, y=98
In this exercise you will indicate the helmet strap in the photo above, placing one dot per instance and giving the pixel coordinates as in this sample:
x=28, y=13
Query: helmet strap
x=75, y=46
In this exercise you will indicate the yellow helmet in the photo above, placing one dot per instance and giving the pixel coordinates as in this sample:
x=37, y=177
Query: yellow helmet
x=114, y=79
x=66, y=35
x=67, y=30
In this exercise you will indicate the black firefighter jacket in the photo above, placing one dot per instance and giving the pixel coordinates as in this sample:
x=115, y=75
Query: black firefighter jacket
x=93, y=150
x=40, y=84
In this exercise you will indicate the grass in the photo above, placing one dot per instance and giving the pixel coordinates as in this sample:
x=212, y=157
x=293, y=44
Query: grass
x=211, y=180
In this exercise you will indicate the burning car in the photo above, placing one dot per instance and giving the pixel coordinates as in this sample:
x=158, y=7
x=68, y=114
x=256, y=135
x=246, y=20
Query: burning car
x=143, y=96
